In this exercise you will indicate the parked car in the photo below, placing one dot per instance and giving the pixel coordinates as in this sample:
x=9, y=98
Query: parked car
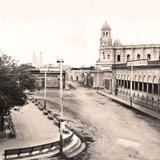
x=56, y=119
x=36, y=102
x=40, y=107
x=45, y=111
x=50, y=113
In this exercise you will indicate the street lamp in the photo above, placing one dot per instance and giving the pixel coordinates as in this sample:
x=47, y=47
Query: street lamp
x=97, y=77
x=131, y=84
x=45, y=86
x=61, y=103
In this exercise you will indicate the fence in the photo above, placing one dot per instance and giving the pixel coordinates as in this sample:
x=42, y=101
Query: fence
x=39, y=149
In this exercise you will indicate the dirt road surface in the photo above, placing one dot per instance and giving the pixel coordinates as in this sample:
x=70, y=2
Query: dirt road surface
x=118, y=133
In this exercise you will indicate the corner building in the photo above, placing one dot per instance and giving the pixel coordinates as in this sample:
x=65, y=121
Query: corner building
x=113, y=61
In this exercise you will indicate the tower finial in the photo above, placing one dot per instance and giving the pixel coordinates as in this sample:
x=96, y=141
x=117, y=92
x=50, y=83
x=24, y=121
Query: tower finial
x=106, y=26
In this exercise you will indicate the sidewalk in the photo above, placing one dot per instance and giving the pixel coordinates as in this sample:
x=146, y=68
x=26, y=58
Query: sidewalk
x=32, y=128
x=135, y=106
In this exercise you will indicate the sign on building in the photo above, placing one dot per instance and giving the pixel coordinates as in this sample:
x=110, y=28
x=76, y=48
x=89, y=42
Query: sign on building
x=142, y=62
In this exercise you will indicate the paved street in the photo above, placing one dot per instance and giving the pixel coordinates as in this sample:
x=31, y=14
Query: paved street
x=32, y=128
x=119, y=133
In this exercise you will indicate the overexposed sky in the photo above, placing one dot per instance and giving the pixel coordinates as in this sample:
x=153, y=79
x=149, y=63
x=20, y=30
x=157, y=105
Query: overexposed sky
x=71, y=29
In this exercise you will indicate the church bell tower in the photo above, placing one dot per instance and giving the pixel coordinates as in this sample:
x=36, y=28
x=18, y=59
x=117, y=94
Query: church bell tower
x=106, y=48
x=105, y=40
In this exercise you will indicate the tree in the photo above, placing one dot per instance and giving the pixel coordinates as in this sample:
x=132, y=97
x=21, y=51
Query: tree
x=14, y=80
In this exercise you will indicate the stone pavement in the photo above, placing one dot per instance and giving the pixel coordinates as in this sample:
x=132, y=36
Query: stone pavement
x=32, y=128
x=135, y=106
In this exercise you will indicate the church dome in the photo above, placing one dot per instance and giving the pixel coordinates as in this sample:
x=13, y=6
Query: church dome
x=117, y=42
x=106, y=26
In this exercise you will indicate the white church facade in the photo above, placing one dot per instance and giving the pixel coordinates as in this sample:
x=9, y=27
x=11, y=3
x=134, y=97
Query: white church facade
x=114, y=64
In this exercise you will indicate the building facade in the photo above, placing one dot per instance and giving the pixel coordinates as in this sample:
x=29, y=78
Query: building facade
x=52, y=77
x=116, y=59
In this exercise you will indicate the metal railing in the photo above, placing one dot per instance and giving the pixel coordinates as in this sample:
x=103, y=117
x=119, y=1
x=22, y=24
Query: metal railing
x=34, y=150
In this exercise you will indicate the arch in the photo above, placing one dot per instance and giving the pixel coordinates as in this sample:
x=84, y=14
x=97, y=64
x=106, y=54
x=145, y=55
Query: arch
x=144, y=83
x=125, y=77
x=118, y=76
x=149, y=84
x=149, y=79
x=135, y=78
x=122, y=77
x=138, y=57
x=148, y=56
x=155, y=87
x=128, y=57
x=140, y=78
x=155, y=80
x=145, y=79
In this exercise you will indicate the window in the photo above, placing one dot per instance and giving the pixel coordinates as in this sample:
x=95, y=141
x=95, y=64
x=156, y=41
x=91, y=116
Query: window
x=128, y=57
x=148, y=56
x=149, y=87
x=138, y=56
x=103, y=33
x=128, y=84
x=118, y=58
x=125, y=84
x=106, y=33
x=136, y=85
x=107, y=84
x=140, y=86
x=117, y=82
x=155, y=88
x=108, y=56
x=145, y=87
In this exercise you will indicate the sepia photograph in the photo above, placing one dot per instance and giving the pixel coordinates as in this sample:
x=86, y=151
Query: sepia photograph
x=79, y=80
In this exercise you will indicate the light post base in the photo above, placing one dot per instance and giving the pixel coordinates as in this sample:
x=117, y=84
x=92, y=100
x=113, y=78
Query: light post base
x=44, y=104
x=131, y=101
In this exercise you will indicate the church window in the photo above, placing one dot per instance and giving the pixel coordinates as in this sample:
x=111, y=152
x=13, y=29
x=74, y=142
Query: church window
x=103, y=33
x=118, y=58
x=128, y=57
x=104, y=55
x=106, y=33
x=108, y=56
x=148, y=56
x=138, y=56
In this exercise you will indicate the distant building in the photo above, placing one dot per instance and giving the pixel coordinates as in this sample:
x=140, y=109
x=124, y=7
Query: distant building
x=52, y=77
x=37, y=60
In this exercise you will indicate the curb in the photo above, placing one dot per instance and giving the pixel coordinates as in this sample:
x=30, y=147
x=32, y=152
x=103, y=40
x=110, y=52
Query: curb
x=134, y=106
x=72, y=149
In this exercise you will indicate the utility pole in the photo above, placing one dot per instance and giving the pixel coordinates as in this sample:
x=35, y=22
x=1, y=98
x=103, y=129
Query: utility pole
x=61, y=103
x=45, y=87
x=97, y=77
x=131, y=75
